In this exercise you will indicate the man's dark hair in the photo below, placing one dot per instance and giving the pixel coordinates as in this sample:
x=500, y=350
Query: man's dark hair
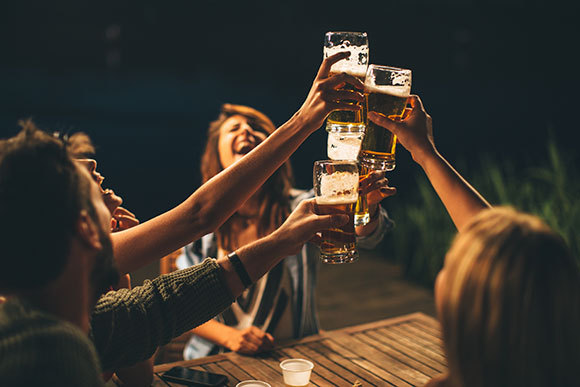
x=41, y=196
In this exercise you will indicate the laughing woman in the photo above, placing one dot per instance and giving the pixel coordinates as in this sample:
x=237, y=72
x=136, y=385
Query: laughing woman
x=281, y=304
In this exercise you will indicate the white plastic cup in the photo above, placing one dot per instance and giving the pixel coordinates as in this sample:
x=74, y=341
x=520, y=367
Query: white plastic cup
x=252, y=383
x=296, y=372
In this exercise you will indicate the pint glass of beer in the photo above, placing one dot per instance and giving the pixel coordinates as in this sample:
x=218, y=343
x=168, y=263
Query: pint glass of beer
x=336, y=190
x=386, y=92
x=345, y=145
x=356, y=65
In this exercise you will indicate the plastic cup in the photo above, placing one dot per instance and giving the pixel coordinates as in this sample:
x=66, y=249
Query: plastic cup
x=252, y=383
x=296, y=372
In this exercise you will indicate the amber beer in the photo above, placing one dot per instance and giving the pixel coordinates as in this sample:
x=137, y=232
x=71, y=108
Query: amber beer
x=356, y=65
x=344, y=144
x=361, y=210
x=338, y=244
x=348, y=118
x=336, y=190
x=378, y=145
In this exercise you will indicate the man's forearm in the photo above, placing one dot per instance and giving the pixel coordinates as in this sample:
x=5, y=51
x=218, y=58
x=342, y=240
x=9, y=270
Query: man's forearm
x=129, y=325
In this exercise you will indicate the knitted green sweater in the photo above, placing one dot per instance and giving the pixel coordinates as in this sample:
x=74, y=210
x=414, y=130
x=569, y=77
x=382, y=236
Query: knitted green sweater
x=37, y=348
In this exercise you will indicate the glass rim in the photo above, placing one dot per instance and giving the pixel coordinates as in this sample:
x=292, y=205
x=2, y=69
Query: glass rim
x=330, y=161
x=388, y=68
x=360, y=33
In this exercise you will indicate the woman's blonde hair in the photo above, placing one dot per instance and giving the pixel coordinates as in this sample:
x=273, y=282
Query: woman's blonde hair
x=510, y=304
x=274, y=202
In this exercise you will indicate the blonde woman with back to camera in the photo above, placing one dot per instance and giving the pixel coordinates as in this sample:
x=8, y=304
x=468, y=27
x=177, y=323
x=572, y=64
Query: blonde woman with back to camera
x=508, y=296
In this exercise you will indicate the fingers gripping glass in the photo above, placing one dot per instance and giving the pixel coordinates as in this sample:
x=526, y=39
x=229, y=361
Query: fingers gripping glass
x=336, y=191
x=356, y=65
x=386, y=92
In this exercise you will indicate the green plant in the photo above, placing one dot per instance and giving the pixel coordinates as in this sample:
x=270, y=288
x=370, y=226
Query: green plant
x=549, y=189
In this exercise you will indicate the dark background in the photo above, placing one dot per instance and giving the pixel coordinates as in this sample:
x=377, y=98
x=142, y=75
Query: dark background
x=144, y=78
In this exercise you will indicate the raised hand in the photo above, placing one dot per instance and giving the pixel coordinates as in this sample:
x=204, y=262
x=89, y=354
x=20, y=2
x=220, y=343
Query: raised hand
x=123, y=219
x=302, y=226
x=327, y=94
x=376, y=187
x=414, y=131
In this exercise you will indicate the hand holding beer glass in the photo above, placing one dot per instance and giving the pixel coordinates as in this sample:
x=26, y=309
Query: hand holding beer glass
x=347, y=123
x=387, y=90
x=336, y=191
x=346, y=128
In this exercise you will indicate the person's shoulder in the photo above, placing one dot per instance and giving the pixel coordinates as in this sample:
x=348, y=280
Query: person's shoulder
x=46, y=351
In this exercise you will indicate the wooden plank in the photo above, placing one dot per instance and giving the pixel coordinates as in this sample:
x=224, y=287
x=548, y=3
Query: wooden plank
x=340, y=342
x=341, y=357
x=378, y=324
x=234, y=370
x=256, y=369
x=383, y=360
x=423, y=332
x=367, y=378
x=216, y=369
x=427, y=343
x=272, y=362
x=343, y=376
x=400, y=356
x=413, y=332
x=432, y=331
x=428, y=321
x=411, y=345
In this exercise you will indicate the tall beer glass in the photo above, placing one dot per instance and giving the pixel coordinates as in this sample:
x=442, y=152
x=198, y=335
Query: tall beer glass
x=386, y=92
x=345, y=145
x=336, y=190
x=356, y=65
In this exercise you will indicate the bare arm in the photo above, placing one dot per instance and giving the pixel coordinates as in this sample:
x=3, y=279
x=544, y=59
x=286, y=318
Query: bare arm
x=129, y=325
x=299, y=227
x=415, y=133
x=214, y=202
x=248, y=341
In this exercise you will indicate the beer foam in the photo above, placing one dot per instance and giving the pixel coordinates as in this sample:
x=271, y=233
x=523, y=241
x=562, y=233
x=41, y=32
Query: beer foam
x=339, y=187
x=395, y=91
x=335, y=201
x=343, y=146
x=355, y=64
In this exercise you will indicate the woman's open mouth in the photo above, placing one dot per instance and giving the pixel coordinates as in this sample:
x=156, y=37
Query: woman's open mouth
x=244, y=148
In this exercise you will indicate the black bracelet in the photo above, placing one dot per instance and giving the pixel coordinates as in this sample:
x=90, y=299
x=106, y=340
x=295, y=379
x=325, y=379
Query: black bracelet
x=240, y=269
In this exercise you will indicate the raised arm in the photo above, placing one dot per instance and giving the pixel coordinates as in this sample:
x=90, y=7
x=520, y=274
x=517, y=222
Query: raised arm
x=215, y=201
x=128, y=325
x=415, y=133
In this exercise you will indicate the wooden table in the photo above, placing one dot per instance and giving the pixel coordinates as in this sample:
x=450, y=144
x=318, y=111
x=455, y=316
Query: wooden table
x=401, y=351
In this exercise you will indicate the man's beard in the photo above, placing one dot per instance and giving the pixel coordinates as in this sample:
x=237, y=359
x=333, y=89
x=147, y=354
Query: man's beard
x=105, y=273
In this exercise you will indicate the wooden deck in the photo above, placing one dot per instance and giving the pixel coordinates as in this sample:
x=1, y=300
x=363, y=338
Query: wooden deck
x=401, y=351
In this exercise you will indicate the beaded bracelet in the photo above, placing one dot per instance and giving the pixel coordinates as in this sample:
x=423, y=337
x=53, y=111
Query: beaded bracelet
x=240, y=269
